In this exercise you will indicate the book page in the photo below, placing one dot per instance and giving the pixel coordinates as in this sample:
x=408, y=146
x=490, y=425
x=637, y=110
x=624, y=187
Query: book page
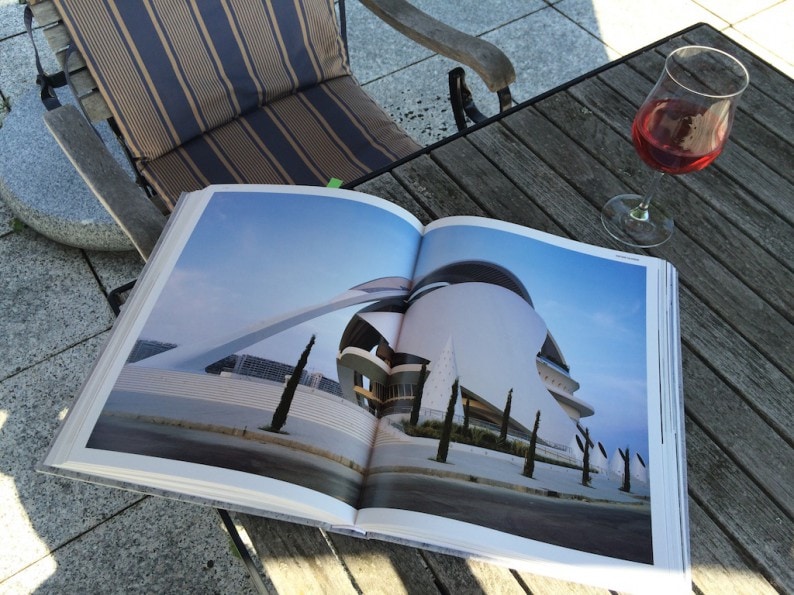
x=526, y=342
x=252, y=288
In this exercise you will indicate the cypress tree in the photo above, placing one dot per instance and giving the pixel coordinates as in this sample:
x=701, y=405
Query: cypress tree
x=417, y=404
x=280, y=415
x=446, y=431
x=626, y=456
x=506, y=418
x=529, y=461
x=466, y=417
x=586, y=459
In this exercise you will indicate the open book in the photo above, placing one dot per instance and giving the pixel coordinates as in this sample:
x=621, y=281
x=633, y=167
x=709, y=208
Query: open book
x=470, y=385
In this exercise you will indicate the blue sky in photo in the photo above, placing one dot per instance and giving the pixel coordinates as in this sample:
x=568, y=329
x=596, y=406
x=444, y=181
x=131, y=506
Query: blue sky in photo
x=253, y=256
x=278, y=254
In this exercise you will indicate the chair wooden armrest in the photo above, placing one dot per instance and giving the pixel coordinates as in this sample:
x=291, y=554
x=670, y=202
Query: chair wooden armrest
x=488, y=61
x=140, y=219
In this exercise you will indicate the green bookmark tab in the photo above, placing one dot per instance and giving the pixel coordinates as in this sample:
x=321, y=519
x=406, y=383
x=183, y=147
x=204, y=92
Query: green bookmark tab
x=334, y=183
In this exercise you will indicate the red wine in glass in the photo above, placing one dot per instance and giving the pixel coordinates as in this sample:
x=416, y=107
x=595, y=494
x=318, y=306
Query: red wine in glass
x=681, y=127
x=675, y=136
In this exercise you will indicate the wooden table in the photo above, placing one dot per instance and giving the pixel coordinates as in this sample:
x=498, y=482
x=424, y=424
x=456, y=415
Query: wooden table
x=551, y=164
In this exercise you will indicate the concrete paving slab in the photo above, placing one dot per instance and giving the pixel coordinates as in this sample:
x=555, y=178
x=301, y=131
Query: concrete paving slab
x=41, y=513
x=734, y=11
x=371, y=61
x=627, y=25
x=18, y=64
x=50, y=300
x=545, y=47
x=772, y=29
x=476, y=17
x=418, y=99
x=156, y=546
x=11, y=22
x=394, y=51
x=114, y=269
x=6, y=219
x=760, y=51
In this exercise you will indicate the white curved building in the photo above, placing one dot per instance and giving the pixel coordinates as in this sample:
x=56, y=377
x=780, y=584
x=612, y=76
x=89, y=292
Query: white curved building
x=638, y=470
x=479, y=321
x=599, y=460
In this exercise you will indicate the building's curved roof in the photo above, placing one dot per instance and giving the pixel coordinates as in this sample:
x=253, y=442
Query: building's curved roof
x=468, y=271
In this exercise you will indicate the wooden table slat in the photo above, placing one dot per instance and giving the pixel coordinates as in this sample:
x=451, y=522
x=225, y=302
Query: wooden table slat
x=542, y=585
x=766, y=388
x=717, y=566
x=743, y=434
x=381, y=567
x=774, y=190
x=753, y=218
x=297, y=558
x=388, y=187
x=436, y=191
x=469, y=577
x=542, y=186
x=728, y=497
x=486, y=185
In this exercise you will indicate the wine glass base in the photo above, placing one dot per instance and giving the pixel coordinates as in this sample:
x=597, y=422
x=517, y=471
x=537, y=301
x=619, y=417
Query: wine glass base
x=653, y=230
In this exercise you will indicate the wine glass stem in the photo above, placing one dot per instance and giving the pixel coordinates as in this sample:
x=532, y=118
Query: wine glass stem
x=640, y=212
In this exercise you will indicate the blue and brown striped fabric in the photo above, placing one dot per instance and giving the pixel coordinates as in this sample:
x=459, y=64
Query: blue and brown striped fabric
x=231, y=90
x=348, y=136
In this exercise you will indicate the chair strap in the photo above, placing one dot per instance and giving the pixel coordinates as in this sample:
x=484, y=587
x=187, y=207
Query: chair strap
x=343, y=26
x=47, y=82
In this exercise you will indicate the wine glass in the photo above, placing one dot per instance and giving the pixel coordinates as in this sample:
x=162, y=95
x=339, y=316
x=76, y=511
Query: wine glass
x=681, y=127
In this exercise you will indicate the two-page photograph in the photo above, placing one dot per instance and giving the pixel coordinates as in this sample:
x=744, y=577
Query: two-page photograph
x=320, y=354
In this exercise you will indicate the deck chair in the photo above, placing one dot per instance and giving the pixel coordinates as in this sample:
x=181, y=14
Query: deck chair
x=232, y=91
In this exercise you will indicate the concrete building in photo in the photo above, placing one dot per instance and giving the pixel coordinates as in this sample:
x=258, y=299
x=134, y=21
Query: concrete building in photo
x=473, y=321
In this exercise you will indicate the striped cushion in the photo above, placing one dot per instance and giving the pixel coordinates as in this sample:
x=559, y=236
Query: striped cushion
x=331, y=130
x=171, y=70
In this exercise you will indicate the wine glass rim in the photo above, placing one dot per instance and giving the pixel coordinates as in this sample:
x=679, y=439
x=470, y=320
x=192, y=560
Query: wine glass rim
x=746, y=78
